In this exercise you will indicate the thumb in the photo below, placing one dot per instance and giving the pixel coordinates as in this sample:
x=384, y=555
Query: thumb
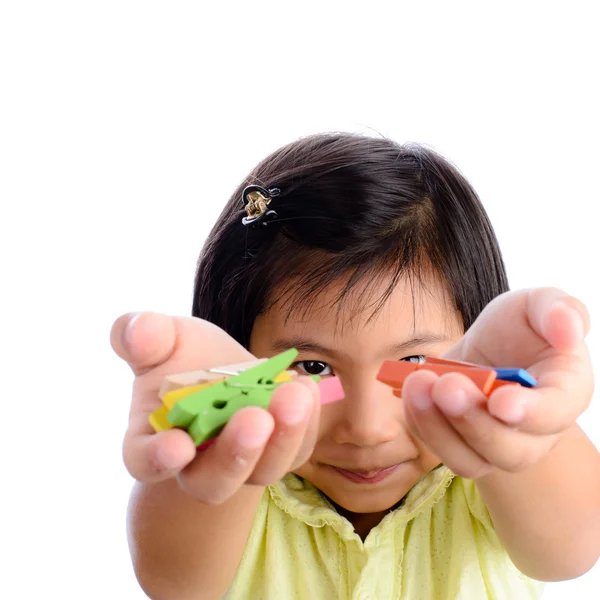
x=143, y=340
x=559, y=318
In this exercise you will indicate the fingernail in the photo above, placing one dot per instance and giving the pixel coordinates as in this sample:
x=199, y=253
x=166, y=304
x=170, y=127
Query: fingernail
x=578, y=321
x=576, y=315
x=129, y=329
x=514, y=414
x=165, y=461
x=295, y=411
x=422, y=401
x=455, y=403
x=255, y=437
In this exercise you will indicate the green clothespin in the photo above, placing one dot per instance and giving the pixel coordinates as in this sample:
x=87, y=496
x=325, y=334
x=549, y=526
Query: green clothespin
x=206, y=412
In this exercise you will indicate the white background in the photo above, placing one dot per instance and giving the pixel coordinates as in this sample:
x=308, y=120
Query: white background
x=124, y=126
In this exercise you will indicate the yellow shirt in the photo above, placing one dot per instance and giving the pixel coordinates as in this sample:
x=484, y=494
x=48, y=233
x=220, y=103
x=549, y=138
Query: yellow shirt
x=440, y=544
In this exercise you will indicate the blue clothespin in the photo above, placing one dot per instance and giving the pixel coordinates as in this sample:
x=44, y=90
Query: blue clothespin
x=517, y=375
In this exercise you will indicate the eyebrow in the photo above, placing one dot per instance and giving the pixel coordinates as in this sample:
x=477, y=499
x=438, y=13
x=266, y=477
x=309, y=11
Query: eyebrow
x=310, y=346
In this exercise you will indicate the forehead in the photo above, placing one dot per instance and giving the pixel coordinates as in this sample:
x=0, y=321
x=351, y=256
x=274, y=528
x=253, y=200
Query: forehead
x=413, y=306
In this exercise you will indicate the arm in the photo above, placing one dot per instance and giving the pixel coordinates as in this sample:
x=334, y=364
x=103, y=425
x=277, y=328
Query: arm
x=183, y=549
x=548, y=516
x=191, y=512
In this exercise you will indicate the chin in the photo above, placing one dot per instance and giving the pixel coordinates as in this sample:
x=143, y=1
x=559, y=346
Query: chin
x=360, y=497
x=365, y=503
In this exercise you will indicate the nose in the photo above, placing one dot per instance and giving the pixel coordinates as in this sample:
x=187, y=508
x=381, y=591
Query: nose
x=368, y=416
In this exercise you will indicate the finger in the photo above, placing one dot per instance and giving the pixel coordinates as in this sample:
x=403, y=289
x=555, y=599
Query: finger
x=540, y=323
x=465, y=407
x=154, y=458
x=410, y=422
x=293, y=406
x=148, y=341
x=562, y=320
x=563, y=392
x=437, y=433
x=222, y=469
x=312, y=430
x=143, y=340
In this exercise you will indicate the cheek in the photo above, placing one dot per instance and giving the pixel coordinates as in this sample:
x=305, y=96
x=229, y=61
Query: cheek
x=329, y=415
x=305, y=471
x=427, y=459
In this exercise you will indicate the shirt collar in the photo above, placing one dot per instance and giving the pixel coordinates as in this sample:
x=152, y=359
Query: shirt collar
x=303, y=501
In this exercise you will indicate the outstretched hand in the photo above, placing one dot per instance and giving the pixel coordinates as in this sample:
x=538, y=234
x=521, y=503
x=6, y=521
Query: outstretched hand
x=540, y=330
x=256, y=446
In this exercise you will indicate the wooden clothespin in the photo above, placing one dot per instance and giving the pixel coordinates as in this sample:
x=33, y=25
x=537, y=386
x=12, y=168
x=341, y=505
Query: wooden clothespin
x=487, y=379
x=202, y=402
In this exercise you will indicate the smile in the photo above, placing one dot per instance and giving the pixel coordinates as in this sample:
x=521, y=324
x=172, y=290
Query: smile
x=366, y=476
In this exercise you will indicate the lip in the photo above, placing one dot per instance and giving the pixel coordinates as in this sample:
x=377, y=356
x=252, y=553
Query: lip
x=370, y=477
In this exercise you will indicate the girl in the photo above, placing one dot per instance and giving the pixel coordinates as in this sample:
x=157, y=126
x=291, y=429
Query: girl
x=354, y=251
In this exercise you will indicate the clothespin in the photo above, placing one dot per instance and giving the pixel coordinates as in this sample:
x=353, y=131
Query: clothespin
x=203, y=401
x=487, y=379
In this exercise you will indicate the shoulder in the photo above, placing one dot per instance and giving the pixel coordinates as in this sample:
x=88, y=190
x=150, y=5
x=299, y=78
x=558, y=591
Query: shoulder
x=465, y=497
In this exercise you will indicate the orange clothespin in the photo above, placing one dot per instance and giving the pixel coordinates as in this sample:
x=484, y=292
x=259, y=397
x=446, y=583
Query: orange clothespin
x=487, y=379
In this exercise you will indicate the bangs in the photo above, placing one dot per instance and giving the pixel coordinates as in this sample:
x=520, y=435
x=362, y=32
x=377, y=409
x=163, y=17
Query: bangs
x=303, y=287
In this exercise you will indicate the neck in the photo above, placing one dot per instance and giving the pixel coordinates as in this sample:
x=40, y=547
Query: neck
x=364, y=522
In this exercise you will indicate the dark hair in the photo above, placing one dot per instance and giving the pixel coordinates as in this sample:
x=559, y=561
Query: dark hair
x=350, y=205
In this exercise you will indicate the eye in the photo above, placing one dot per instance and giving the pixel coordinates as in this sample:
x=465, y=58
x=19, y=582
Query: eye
x=417, y=358
x=313, y=367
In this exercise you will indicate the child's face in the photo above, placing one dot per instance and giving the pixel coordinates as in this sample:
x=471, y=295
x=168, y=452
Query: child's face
x=366, y=432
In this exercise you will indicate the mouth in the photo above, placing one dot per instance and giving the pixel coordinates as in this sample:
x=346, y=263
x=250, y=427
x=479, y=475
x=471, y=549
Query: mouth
x=362, y=476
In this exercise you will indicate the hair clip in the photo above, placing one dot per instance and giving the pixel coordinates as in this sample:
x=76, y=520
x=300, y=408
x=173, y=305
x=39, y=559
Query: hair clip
x=256, y=199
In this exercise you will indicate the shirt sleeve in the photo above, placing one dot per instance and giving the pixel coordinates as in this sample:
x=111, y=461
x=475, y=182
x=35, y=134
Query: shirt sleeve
x=475, y=504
